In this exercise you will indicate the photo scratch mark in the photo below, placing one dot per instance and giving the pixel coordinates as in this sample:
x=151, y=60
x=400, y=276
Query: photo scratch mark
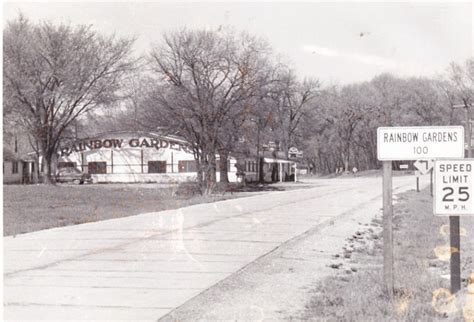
x=41, y=252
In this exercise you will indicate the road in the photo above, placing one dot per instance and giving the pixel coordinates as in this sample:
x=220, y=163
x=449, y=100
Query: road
x=148, y=266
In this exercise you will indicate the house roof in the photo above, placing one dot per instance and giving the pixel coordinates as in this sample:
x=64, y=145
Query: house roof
x=9, y=155
x=275, y=160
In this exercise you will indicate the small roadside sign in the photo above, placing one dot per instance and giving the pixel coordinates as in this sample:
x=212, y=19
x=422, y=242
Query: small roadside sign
x=420, y=142
x=454, y=187
x=424, y=166
x=294, y=153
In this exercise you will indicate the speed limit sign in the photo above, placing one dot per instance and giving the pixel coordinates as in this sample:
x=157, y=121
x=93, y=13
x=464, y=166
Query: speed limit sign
x=454, y=187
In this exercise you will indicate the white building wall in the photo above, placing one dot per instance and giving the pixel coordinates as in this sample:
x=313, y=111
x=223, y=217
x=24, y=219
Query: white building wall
x=126, y=161
x=8, y=175
x=130, y=164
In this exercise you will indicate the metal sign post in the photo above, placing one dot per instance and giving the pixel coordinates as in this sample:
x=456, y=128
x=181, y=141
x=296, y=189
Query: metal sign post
x=417, y=175
x=455, y=259
x=431, y=182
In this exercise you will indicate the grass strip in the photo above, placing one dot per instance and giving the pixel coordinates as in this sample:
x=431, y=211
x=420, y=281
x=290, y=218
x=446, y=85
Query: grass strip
x=421, y=271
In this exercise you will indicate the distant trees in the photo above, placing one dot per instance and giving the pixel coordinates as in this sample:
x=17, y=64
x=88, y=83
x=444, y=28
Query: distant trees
x=53, y=74
x=345, y=119
x=340, y=113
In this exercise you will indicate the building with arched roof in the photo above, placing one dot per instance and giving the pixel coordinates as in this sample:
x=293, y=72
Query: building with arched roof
x=137, y=156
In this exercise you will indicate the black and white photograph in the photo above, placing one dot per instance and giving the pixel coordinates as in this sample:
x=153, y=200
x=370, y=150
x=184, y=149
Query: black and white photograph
x=238, y=161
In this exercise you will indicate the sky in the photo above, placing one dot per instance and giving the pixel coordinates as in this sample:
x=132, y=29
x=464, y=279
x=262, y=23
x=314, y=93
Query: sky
x=337, y=42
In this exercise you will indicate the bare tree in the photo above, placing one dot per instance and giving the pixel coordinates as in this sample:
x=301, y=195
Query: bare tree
x=293, y=99
x=428, y=103
x=53, y=74
x=204, y=80
x=461, y=77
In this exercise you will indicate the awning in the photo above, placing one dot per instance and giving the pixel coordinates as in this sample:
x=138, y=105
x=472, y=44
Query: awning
x=272, y=160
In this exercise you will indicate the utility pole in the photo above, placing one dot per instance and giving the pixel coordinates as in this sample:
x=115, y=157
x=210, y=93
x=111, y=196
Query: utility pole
x=257, y=175
x=469, y=130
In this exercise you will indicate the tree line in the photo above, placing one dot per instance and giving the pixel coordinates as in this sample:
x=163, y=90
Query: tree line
x=222, y=90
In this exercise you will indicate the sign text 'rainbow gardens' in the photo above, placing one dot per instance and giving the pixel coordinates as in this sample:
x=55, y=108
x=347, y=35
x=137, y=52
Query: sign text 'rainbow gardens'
x=116, y=143
x=415, y=143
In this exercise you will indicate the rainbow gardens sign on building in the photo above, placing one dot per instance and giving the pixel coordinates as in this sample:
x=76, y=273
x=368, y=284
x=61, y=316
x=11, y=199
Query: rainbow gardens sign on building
x=119, y=143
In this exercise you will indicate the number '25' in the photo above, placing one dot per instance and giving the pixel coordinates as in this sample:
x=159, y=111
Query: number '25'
x=461, y=191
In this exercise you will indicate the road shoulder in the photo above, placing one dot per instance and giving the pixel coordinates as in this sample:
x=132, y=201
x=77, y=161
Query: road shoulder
x=276, y=286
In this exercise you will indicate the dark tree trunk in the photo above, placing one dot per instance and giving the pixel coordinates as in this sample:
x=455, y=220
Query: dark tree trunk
x=223, y=170
x=211, y=168
x=210, y=172
x=261, y=173
x=199, y=177
x=49, y=176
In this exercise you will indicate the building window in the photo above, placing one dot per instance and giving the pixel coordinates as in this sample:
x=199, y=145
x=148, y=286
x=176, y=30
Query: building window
x=250, y=166
x=15, y=167
x=66, y=165
x=218, y=166
x=187, y=166
x=97, y=167
x=156, y=166
x=32, y=167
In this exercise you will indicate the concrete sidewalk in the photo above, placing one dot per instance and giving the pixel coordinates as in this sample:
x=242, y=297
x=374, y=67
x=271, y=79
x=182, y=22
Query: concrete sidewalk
x=142, y=267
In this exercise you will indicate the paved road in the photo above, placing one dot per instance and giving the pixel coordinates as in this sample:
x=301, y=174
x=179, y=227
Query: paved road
x=143, y=267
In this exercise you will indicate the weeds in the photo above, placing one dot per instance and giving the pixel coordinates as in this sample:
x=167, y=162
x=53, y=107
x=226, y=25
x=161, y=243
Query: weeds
x=361, y=296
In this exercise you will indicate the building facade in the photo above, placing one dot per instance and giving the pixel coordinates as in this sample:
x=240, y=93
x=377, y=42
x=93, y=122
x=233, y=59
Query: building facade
x=122, y=157
x=19, y=166
x=134, y=157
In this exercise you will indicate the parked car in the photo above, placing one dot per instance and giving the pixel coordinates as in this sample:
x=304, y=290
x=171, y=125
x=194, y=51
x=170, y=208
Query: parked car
x=73, y=175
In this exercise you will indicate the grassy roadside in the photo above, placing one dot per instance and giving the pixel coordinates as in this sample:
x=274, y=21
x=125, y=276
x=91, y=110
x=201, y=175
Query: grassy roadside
x=28, y=208
x=421, y=269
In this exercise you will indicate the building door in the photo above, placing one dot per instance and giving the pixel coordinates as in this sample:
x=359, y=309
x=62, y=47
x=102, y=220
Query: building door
x=26, y=173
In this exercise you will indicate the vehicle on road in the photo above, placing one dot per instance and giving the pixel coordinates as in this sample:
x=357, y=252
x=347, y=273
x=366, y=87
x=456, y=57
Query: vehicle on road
x=72, y=175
